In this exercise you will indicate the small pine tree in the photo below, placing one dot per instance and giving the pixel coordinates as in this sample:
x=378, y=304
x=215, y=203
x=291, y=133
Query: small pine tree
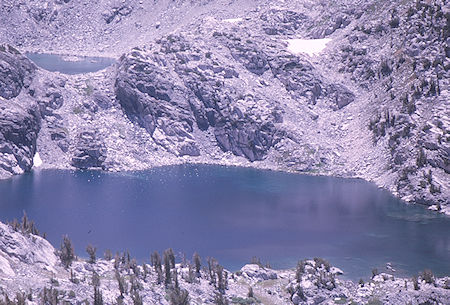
x=222, y=280
x=98, y=296
x=116, y=261
x=108, y=255
x=250, y=293
x=211, y=270
x=167, y=265
x=171, y=257
x=191, y=276
x=300, y=270
x=137, y=299
x=428, y=276
x=175, y=277
x=91, y=251
x=49, y=296
x=322, y=262
x=66, y=253
x=95, y=279
x=220, y=299
x=155, y=260
x=135, y=284
x=415, y=283
x=197, y=263
x=122, y=284
x=145, y=270
x=178, y=297
x=134, y=266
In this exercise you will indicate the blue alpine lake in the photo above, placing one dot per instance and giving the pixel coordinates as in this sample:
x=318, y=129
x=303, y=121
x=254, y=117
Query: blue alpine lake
x=58, y=63
x=232, y=214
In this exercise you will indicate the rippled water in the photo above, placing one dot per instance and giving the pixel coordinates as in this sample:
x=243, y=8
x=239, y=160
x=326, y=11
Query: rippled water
x=233, y=214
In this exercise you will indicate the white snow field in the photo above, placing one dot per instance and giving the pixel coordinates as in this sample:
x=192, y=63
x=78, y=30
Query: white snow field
x=308, y=46
x=233, y=20
x=37, y=161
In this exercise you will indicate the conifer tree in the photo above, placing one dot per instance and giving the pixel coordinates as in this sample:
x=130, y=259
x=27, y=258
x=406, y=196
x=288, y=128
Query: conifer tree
x=66, y=253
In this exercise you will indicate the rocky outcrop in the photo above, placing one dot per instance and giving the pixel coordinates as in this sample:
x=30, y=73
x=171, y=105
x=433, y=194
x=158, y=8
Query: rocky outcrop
x=19, y=116
x=258, y=273
x=90, y=151
x=166, y=96
x=16, y=72
x=302, y=80
x=117, y=13
x=17, y=248
x=152, y=96
x=19, y=128
x=284, y=22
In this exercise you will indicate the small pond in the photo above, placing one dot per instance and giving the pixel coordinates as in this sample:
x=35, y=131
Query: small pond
x=70, y=65
x=232, y=214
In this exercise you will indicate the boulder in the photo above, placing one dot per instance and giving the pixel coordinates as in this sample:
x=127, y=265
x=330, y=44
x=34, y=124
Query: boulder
x=282, y=22
x=254, y=271
x=90, y=151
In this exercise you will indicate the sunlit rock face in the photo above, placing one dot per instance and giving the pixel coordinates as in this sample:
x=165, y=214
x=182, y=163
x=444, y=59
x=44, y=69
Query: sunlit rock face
x=19, y=116
x=16, y=72
x=18, y=249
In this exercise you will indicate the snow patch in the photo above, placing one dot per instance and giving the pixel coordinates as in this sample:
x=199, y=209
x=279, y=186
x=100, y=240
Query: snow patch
x=37, y=161
x=308, y=46
x=233, y=20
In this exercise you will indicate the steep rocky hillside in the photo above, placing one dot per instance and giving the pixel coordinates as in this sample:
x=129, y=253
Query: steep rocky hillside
x=218, y=82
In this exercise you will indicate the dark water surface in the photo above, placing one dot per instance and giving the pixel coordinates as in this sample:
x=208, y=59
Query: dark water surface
x=233, y=214
x=57, y=63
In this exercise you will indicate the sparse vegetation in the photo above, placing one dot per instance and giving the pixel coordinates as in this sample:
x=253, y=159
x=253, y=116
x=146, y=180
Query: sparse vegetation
x=108, y=255
x=428, y=276
x=300, y=270
x=25, y=226
x=197, y=263
x=415, y=281
x=374, y=301
x=320, y=262
x=155, y=260
x=179, y=297
x=220, y=299
x=122, y=284
x=98, y=296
